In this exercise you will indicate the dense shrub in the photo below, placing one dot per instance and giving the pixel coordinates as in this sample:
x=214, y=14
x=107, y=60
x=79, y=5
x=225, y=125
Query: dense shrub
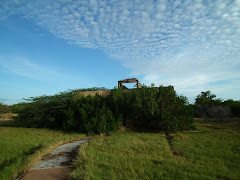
x=90, y=115
x=5, y=108
x=207, y=105
x=148, y=108
x=151, y=108
x=234, y=107
x=213, y=111
x=43, y=111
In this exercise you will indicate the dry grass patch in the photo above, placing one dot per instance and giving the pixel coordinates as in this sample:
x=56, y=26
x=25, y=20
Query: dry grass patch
x=7, y=116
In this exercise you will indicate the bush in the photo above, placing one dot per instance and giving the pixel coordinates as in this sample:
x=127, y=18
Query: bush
x=148, y=108
x=5, y=108
x=213, y=111
x=151, y=108
x=43, y=111
x=207, y=105
x=234, y=107
x=90, y=115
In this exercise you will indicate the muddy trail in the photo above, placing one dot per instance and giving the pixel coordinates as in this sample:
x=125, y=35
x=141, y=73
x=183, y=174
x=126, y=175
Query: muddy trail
x=57, y=164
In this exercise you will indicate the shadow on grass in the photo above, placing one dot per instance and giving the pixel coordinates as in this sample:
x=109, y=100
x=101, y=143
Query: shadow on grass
x=218, y=120
x=220, y=123
x=170, y=139
x=8, y=123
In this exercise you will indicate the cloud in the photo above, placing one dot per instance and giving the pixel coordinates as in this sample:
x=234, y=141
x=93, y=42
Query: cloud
x=27, y=68
x=3, y=100
x=185, y=43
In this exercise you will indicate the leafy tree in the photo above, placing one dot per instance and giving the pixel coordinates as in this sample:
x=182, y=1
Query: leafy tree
x=207, y=98
x=207, y=105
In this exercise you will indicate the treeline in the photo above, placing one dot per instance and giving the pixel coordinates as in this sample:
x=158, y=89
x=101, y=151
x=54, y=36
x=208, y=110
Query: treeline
x=5, y=108
x=147, y=109
x=207, y=105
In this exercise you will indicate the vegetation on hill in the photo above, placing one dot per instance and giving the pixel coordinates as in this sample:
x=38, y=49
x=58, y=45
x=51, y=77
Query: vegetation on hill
x=147, y=109
x=5, y=108
x=152, y=109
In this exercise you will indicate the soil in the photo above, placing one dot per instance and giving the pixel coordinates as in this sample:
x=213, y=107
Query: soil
x=48, y=174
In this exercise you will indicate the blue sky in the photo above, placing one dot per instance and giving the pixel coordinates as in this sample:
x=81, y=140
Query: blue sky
x=51, y=46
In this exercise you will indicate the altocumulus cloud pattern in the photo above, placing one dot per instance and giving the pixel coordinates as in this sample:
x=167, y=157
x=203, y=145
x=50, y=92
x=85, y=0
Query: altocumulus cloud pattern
x=185, y=43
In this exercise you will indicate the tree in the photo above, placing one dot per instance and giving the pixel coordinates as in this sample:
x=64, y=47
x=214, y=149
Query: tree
x=208, y=106
x=207, y=98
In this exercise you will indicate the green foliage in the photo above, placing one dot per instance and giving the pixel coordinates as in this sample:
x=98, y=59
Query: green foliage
x=234, y=106
x=5, y=108
x=90, y=115
x=43, y=111
x=207, y=105
x=205, y=98
x=151, y=108
x=148, y=108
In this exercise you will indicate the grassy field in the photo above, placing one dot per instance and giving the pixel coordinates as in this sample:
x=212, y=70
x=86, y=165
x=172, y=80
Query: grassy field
x=20, y=148
x=210, y=152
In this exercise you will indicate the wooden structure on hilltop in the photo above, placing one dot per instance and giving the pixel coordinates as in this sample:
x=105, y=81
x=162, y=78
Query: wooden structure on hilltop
x=132, y=80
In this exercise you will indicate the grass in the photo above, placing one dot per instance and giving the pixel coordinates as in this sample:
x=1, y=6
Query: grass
x=21, y=148
x=212, y=152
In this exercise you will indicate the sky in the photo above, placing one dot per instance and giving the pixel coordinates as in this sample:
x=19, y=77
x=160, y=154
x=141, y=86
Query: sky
x=51, y=46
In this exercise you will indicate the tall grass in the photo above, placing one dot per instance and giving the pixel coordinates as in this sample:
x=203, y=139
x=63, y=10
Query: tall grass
x=21, y=148
x=213, y=152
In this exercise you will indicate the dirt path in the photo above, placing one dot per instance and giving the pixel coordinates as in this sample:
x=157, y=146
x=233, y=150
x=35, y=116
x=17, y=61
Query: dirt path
x=57, y=164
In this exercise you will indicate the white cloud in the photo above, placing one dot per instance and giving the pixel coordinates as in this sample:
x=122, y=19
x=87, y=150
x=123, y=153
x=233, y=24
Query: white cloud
x=27, y=68
x=185, y=43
